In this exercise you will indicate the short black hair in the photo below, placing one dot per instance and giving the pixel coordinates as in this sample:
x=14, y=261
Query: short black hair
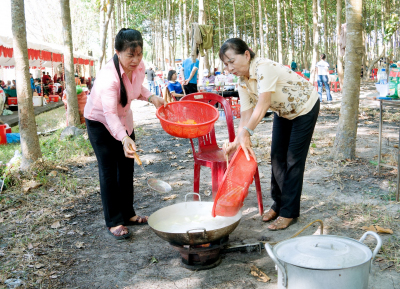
x=323, y=56
x=126, y=39
x=237, y=45
x=170, y=73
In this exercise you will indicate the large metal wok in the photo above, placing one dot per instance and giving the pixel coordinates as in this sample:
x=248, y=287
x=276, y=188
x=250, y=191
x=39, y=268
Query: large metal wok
x=191, y=223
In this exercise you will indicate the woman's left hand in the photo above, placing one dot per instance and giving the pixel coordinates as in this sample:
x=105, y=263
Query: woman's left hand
x=157, y=101
x=244, y=140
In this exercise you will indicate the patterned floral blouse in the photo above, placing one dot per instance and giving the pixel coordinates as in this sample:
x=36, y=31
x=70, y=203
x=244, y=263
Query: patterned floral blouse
x=292, y=95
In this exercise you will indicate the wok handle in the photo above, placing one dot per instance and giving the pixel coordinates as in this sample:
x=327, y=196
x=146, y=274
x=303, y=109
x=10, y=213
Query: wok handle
x=193, y=194
x=271, y=254
x=198, y=229
x=378, y=240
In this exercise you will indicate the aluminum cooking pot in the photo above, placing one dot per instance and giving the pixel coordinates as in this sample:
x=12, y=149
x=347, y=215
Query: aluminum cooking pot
x=323, y=262
x=191, y=223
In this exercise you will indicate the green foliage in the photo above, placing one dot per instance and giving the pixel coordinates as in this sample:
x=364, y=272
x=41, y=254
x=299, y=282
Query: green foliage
x=391, y=26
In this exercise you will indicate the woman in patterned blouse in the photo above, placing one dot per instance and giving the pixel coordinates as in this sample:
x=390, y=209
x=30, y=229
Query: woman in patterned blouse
x=265, y=84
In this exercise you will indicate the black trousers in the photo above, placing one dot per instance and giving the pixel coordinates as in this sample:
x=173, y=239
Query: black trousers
x=290, y=144
x=190, y=88
x=115, y=173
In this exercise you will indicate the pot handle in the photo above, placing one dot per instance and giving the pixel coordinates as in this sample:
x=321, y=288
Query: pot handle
x=193, y=194
x=271, y=254
x=378, y=240
x=197, y=229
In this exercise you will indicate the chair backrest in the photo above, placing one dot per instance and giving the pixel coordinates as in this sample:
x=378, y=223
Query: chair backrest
x=209, y=141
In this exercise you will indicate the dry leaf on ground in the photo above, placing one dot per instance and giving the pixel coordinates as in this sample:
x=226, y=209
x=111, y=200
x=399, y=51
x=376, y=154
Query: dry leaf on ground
x=170, y=197
x=39, y=265
x=156, y=150
x=174, y=164
x=31, y=185
x=53, y=174
x=79, y=245
x=370, y=228
x=178, y=145
x=261, y=276
x=383, y=230
x=180, y=168
x=56, y=225
x=62, y=168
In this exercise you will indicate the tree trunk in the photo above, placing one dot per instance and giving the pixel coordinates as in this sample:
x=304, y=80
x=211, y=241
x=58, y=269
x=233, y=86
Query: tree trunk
x=168, y=44
x=174, y=45
x=103, y=31
x=346, y=135
x=223, y=21
x=376, y=48
x=118, y=16
x=27, y=125
x=315, y=41
x=279, y=28
x=101, y=22
x=291, y=27
x=266, y=31
x=221, y=64
x=186, y=24
x=181, y=37
x=339, y=64
x=72, y=100
x=260, y=28
x=326, y=31
x=286, y=50
x=305, y=60
x=234, y=18
x=111, y=35
x=162, y=35
x=253, y=24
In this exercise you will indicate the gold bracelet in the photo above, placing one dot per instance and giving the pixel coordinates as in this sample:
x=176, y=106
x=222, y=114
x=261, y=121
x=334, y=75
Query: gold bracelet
x=123, y=140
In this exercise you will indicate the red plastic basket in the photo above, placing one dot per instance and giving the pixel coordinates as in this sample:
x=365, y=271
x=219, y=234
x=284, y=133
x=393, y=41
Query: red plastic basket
x=203, y=114
x=53, y=98
x=235, y=185
x=12, y=101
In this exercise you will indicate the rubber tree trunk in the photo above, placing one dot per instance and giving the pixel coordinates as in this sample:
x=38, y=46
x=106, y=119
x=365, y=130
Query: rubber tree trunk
x=326, y=31
x=167, y=23
x=181, y=33
x=314, y=61
x=72, y=100
x=107, y=8
x=253, y=24
x=221, y=64
x=162, y=36
x=266, y=31
x=305, y=60
x=27, y=125
x=234, y=17
x=291, y=28
x=279, y=28
x=346, y=135
x=339, y=63
x=260, y=28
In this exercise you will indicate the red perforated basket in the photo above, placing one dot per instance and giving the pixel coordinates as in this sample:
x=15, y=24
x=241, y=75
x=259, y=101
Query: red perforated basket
x=203, y=114
x=235, y=185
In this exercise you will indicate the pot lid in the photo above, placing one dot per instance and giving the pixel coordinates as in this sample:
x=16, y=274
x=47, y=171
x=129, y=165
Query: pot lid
x=323, y=252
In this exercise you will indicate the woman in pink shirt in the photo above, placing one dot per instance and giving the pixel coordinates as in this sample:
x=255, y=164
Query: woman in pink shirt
x=110, y=128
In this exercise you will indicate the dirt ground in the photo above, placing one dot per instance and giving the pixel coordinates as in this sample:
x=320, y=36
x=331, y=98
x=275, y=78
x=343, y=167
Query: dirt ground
x=345, y=195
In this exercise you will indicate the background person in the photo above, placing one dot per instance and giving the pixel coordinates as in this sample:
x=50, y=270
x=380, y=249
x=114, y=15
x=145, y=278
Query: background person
x=190, y=69
x=109, y=124
x=322, y=72
x=174, y=87
x=266, y=84
x=150, y=74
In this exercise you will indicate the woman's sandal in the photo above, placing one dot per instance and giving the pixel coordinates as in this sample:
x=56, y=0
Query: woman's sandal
x=282, y=223
x=139, y=221
x=270, y=215
x=117, y=232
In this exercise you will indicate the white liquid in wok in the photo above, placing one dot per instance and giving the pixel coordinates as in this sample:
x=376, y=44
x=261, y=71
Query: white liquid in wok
x=176, y=224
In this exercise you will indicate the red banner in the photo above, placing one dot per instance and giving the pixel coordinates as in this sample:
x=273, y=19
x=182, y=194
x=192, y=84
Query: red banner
x=86, y=61
x=91, y=63
x=46, y=55
x=75, y=60
x=33, y=54
x=57, y=57
x=6, y=52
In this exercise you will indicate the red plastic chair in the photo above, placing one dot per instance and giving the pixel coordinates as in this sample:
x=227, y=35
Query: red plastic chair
x=212, y=156
x=330, y=71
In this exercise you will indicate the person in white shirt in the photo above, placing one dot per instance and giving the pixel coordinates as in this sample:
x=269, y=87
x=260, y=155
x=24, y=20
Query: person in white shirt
x=322, y=70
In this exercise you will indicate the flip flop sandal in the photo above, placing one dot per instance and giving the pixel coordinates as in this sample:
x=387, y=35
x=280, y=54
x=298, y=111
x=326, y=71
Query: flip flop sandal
x=118, y=231
x=138, y=222
x=271, y=214
x=281, y=221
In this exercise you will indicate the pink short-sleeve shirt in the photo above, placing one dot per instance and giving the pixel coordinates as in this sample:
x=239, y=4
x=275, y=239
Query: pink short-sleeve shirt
x=103, y=103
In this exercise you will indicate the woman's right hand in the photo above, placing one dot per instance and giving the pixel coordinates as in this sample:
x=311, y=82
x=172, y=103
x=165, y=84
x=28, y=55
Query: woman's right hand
x=230, y=147
x=129, y=148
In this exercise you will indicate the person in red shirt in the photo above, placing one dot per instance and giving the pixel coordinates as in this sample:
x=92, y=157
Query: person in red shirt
x=45, y=78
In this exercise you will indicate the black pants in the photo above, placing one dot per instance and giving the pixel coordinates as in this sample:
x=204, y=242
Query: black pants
x=290, y=144
x=190, y=88
x=115, y=173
